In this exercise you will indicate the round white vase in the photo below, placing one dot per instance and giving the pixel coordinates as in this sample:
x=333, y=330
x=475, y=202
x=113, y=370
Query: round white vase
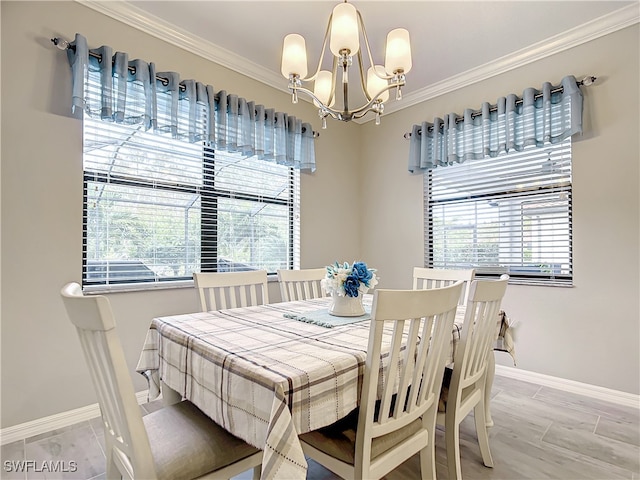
x=344, y=306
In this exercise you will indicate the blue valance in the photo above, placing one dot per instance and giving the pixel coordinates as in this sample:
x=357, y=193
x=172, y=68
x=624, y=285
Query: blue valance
x=116, y=89
x=540, y=117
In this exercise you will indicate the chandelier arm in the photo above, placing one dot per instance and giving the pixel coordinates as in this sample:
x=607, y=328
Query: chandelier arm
x=334, y=76
x=345, y=115
x=345, y=90
x=366, y=43
x=324, y=47
x=362, y=82
x=337, y=115
x=365, y=108
x=356, y=116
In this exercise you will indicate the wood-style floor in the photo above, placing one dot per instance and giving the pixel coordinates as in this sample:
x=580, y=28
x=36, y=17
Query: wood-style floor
x=539, y=433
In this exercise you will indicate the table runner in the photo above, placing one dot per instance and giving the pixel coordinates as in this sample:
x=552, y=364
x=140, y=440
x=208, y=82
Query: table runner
x=323, y=318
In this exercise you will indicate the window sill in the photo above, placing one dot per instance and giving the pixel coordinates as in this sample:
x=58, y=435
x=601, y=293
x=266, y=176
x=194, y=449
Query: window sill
x=146, y=287
x=136, y=287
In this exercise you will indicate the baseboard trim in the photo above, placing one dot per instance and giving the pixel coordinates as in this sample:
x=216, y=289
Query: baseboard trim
x=592, y=391
x=52, y=422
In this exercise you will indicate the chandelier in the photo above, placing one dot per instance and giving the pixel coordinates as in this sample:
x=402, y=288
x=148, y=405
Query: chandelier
x=343, y=36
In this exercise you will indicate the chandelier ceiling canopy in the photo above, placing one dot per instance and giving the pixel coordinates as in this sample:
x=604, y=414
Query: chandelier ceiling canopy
x=344, y=31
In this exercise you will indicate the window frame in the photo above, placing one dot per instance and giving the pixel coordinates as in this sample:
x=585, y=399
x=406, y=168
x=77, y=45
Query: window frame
x=525, y=274
x=209, y=196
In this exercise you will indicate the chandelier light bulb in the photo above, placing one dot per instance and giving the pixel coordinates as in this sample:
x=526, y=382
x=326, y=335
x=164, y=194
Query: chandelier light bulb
x=398, y=52
x=344, y=30
x=376, y=84
x=294, y=56
x=322, y=88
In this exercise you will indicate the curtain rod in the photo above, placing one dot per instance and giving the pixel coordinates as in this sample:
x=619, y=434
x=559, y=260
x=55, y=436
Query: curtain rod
x=586, y=81
x=63, y=44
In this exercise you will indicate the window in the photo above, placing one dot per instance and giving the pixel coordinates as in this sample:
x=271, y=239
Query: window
x=156, y=209
x=509, y=214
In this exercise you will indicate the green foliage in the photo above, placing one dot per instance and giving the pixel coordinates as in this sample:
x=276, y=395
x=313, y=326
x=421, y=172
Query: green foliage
x=168, y=239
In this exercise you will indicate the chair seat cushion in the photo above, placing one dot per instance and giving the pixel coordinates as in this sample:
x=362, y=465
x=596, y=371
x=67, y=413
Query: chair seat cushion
x=444, y=391
x=186, y=444
x=339, y=439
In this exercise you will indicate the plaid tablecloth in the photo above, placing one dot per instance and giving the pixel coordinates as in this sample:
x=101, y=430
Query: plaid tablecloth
x=263, y=377
x=504, y=337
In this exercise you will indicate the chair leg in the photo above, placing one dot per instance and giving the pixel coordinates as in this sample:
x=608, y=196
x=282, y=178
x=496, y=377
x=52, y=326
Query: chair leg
x=452, y=440
x=483, y=435
x=112, y=472
x=488, y=384
x=428, y=462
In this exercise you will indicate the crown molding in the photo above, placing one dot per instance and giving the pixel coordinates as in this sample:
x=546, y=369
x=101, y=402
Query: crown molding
x=617, y=20
x=126, y=13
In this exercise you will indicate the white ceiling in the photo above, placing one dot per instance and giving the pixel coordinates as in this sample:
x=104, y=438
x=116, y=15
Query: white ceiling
x=453, y=42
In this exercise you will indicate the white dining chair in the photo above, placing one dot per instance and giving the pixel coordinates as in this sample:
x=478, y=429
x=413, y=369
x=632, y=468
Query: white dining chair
x=466, y=389
x=424, y=278
x=221, y=290
x=301, y=284
x=177, y=441
x=389, y=428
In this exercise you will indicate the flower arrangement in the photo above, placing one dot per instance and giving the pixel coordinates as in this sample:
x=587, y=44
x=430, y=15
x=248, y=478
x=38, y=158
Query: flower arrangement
x=349, y=280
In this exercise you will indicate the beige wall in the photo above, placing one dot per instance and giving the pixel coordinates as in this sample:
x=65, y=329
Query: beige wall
x=588, y=333
x=43, y=372
x=585, y=333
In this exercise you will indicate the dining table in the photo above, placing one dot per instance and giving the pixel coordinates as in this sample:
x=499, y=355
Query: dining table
x=266, y=373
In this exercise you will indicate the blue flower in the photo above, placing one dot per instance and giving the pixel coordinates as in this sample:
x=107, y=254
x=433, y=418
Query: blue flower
x=361, y=272
x=351, y=285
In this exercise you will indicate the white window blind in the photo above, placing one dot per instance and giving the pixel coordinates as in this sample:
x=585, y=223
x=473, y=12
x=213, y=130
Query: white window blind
x=509, y=214
x=157, y=209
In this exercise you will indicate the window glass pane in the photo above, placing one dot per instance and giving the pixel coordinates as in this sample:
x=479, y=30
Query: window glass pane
x=129, y=151
x=238, y=174
x=159, y=209
x=155, y=232
x=510, y=214
x=253, y=234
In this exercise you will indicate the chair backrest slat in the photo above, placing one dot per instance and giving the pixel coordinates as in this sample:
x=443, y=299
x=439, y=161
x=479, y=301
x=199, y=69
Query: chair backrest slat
x=416, y=325
x=481, y=326
x=302, y=284
x=410, y=376
x=222, y=290
x=425, y=278
x=392, y=370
